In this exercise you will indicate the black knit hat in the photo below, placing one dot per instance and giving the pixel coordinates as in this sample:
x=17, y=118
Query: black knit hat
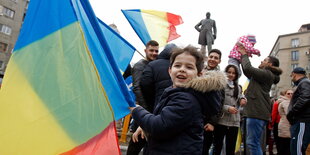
x=299, y=70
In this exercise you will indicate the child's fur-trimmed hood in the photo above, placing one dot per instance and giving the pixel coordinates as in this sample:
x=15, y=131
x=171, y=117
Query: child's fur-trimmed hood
x=209, y=81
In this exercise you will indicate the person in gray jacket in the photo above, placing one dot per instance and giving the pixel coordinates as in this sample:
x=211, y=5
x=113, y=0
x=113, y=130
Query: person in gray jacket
x=229, y=123
x=258, y=108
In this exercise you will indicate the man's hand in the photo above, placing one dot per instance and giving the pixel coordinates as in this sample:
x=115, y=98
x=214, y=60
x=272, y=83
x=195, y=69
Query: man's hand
x=241, y=49
x=135, y=136
x=209, y=127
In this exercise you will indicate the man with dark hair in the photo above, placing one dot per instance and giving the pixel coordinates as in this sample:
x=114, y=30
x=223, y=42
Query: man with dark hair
x=274, y=61
x=155, y=78
x=258, y=108
x=213, y=61
x=299, y=112
x=151, y=53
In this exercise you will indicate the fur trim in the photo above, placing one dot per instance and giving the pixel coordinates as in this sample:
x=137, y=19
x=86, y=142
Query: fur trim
x=210, y=81
x=275, y=70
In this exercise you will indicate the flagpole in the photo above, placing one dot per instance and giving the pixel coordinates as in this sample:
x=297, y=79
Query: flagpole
x=140, y=54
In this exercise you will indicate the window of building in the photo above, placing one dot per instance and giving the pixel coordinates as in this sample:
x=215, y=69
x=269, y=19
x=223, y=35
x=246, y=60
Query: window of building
x=8, y=12
x=294, y=66
x=295, y=42
x=308, y=68
x=3, y=47
x=295, y=55
x=5, y=29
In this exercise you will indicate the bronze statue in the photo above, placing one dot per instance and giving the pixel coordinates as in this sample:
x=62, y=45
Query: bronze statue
x=206, y=34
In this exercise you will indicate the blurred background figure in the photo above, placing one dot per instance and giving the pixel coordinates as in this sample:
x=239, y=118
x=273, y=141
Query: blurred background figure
x=284, y=136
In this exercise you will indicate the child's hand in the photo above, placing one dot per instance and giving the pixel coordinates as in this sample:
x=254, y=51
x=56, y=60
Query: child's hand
x=135, y=136
x=243, y=102
x=131, y=108
x=208, y=127
x=232, y=110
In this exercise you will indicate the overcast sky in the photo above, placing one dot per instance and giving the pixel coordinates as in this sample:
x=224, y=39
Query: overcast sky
x=267, y=19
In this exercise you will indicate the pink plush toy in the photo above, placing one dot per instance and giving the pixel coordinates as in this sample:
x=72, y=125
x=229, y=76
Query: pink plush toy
x=248, y=42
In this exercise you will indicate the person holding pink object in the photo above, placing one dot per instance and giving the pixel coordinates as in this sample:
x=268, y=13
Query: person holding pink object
x=248, y=42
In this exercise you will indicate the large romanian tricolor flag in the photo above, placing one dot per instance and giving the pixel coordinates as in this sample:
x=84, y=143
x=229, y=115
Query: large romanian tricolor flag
x=154, y=25
x=62, y=90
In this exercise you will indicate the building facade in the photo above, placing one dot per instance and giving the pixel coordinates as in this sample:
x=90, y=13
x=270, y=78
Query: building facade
x=12, y=13
x=293, y=51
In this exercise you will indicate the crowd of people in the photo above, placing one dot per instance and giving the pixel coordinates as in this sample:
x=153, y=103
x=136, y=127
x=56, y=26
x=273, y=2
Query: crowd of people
x=186, y=105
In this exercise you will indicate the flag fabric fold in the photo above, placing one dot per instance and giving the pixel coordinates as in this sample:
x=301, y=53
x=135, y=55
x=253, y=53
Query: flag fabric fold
x=121, y=49
x=114, y=84
x=153, y=25
x=62, y=90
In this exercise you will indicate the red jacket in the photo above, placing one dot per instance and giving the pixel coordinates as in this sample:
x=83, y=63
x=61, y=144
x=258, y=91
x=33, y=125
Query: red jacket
x=275, y=116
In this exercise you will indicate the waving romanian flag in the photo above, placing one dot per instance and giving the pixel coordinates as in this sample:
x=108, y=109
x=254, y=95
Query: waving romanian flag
x=121, y=49
x=62, y=89
x=154, y=25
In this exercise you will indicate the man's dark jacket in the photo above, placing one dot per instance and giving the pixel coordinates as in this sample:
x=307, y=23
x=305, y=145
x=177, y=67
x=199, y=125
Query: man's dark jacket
x=299, y=108
x=137, y=71
x=155, y=79
x=257, y=94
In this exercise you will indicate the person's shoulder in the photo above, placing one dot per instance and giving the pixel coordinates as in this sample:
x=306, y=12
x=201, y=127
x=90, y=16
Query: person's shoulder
x=158, y=62
x=180, y=92
x=183, y=97
x=304, y=82
x=154, y=62
x=140, y=63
